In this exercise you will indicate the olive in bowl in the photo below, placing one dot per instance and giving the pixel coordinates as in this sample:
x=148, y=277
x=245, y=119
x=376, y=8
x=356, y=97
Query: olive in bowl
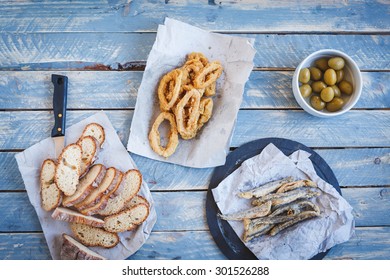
x=327, y=83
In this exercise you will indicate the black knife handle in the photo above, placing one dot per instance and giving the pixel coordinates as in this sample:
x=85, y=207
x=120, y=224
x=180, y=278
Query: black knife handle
x=59, y=104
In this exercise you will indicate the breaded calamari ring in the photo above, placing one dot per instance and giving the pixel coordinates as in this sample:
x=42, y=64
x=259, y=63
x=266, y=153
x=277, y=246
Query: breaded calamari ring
x=173, y=138
x=205, y=110
x=169, y=89
x=198, y=56
x=208, y=75
x=187, y=124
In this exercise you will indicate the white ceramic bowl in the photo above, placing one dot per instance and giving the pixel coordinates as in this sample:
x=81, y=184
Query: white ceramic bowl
x=351, y=74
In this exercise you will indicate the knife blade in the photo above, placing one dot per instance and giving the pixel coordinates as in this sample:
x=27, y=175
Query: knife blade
x=59, y=109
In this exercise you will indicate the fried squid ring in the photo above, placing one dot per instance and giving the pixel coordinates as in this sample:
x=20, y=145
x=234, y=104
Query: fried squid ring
x=210, y=90
x=205, y=110
x=187, y=120
x=208, y=75
x=198, y=56
x=190, y=69
x=169, y=89
x=173, y=138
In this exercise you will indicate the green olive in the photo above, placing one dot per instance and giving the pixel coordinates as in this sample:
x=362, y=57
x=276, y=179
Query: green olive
x=330, y=77
x=315, y=73
x=304, y=76
x=345, y=87
x=305, y=90
x=336, y=63
x=322, y=63
x=337, y=92
x=339, y=75
x=318, y=86
x=317, y=103
x=336, y=104
x=327, y=94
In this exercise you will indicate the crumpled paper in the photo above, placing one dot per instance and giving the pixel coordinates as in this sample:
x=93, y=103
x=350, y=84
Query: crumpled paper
x=304, y=240
x=113, y=154
x=174, y=41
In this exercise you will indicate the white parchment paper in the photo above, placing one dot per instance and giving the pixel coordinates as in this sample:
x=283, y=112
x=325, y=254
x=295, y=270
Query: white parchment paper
x=113, y=154
x=174, y=41
x=304, y=240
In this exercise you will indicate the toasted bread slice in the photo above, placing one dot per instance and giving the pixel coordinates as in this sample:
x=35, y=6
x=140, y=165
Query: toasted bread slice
x=138, y=199
x=93, y=236
x=68, y=169
x=51, y=196
x=103, y=200
x=86, y=185
x=73, y=250
x=109, y=182
x=70, y=216
x=90, y=147
x=95, y=130
x=127, y=219
x=129, y=187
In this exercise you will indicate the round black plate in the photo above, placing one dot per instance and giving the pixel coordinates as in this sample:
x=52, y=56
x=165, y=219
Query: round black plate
x=225, y=237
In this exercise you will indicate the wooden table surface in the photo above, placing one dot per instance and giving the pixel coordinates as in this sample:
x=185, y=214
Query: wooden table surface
x=102, y=46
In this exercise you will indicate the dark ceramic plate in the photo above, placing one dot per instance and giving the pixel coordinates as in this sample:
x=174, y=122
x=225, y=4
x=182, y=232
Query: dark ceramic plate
x=225, y=237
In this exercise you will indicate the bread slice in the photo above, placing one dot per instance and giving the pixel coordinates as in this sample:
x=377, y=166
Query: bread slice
x=136, y=200
x=68, y=169
x=93, y=236
x=86, y=185
x=90, y=148
x=51, y=196
x=73, y=250
x=95, y=130
x=128, y=219
x=70, y=216
x=110, y=181
x=103, y=200
x=129, y=187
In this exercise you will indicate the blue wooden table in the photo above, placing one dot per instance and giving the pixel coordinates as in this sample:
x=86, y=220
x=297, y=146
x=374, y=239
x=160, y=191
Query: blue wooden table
x=102, y=46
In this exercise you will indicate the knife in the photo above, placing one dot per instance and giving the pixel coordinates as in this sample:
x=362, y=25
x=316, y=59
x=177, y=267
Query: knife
x=59, y=110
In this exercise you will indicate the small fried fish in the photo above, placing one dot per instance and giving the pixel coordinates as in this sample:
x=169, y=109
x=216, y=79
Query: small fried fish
x=255, y=212
x=264, y=189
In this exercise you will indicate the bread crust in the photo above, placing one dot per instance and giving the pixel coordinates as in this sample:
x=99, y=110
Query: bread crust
x=114, y=223
x=73, y=250
x=116, y=204
x=86, y=162
x=81, y=233
x=70, y=216
x=100, y=128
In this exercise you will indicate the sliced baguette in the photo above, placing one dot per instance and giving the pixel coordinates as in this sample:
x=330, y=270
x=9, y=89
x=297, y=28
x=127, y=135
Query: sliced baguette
x=95, y=130
x=51, y=196
x=103, y=200
x=93, y=236
x=68, y=169
x=109, y=182
x=129, y=187
x=70, y=216
x=128, y=219
x=138, y=199
x=90, y=148
x=86, y=185
x=73, y=250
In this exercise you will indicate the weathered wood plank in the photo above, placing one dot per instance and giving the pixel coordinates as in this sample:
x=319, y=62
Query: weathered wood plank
x=19, y=130
x=69, y=51
x=178, y=211
x=119, y=16
x=352, y=167
x=112, y=90
x=366, y=244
